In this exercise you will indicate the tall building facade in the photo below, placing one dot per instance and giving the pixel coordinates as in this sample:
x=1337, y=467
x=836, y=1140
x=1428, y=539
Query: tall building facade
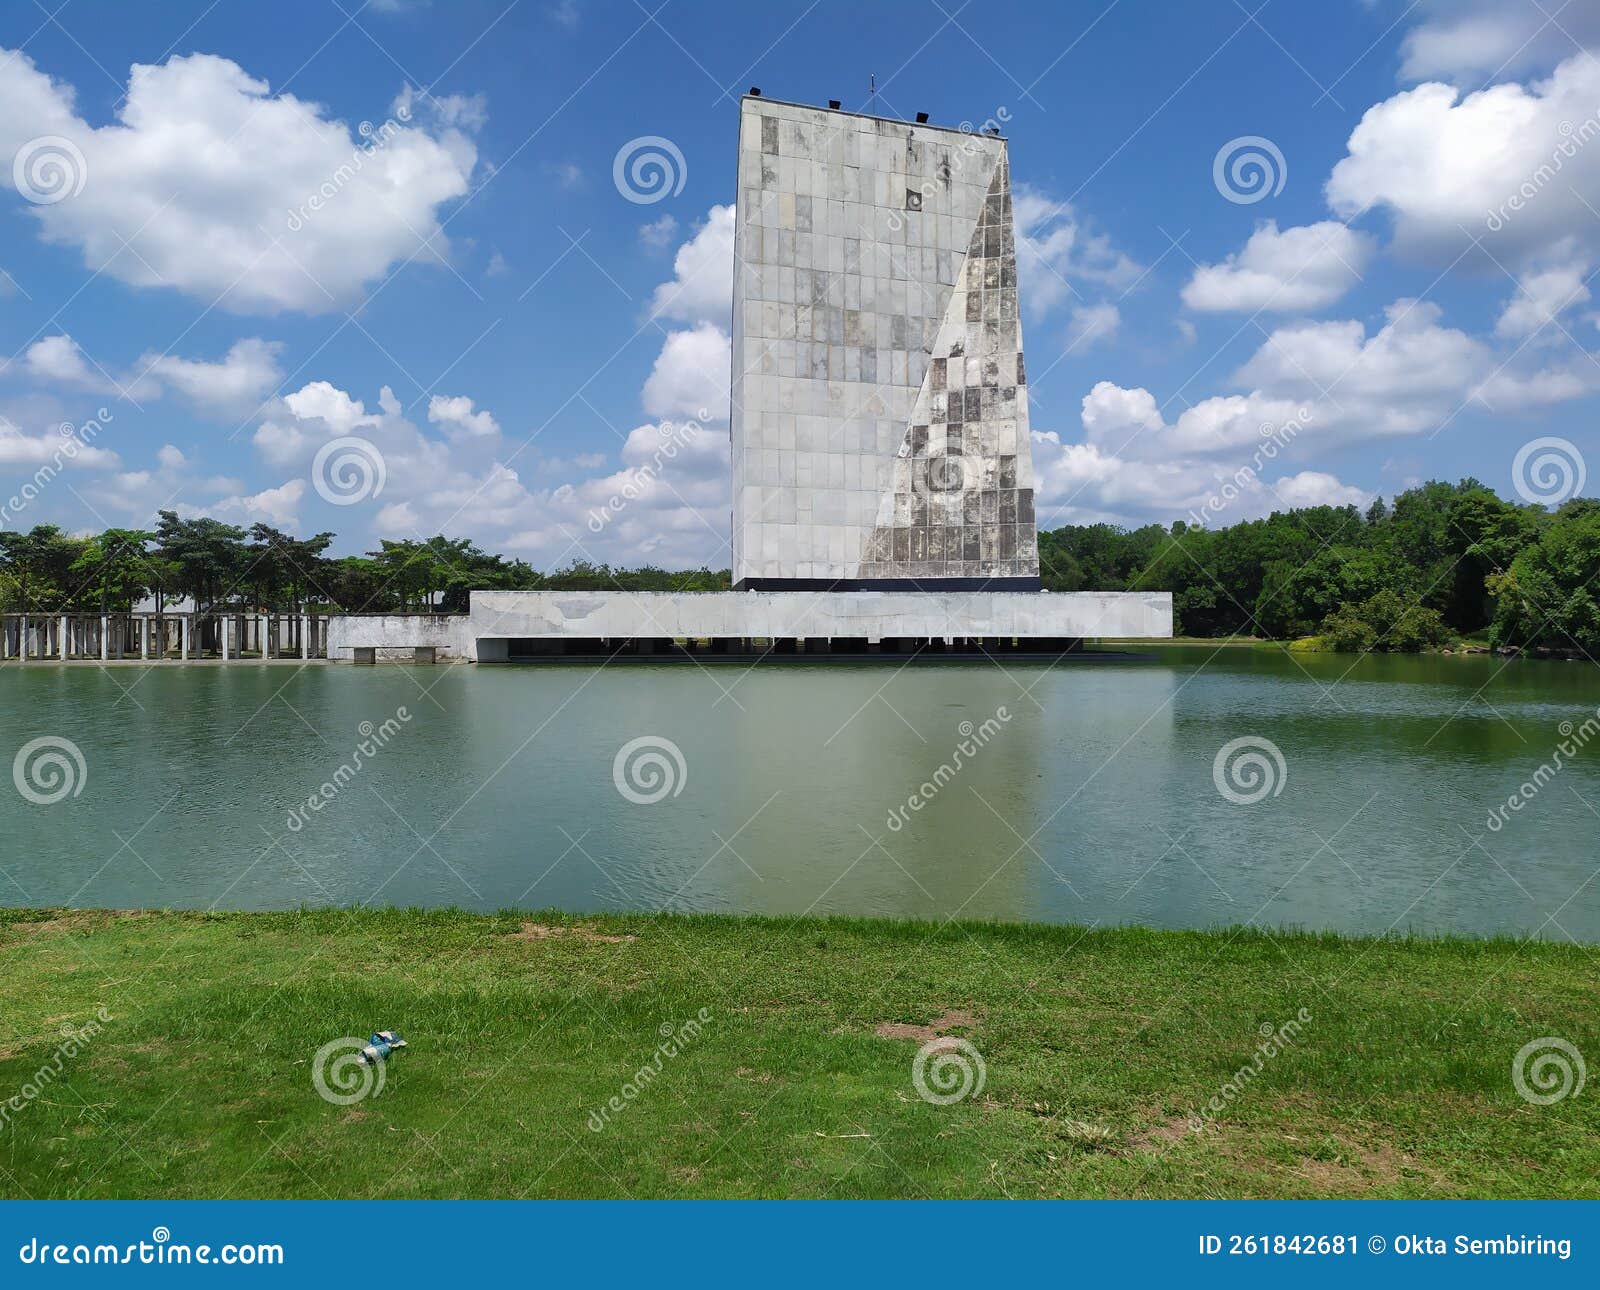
x=880, y=410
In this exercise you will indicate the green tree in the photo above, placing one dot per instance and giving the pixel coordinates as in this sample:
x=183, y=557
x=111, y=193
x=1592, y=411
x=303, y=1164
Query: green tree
x=205, y=559
x=114, y=566
x=284, y=571
x=1546, y=598
x=38, y=566
x=1388, y=622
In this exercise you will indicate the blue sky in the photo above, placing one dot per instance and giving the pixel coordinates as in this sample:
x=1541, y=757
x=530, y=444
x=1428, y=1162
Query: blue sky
x=201, y=239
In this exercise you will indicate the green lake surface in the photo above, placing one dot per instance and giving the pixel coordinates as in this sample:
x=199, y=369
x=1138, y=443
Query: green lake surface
x=1091, y=796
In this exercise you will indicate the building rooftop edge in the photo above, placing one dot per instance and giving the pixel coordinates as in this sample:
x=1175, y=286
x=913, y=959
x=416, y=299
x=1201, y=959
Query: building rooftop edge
x=870, y=116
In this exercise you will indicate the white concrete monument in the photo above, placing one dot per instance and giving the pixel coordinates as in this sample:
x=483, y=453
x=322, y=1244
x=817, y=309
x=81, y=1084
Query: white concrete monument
x=882, y=483
x=880, y=404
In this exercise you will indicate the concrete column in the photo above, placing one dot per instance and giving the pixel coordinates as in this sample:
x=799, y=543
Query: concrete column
x=222, y=636
x=184, y=628
x=305, y=636
x=66, y=636
x=144, y=638
x=264, y=629
x=105, y=639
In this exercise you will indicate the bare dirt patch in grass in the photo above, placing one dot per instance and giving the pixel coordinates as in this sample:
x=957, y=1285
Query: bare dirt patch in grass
x=66, y=921
x=1358, y=1169
x=1167, y=1132
x=949, y=1019
x=546, y=932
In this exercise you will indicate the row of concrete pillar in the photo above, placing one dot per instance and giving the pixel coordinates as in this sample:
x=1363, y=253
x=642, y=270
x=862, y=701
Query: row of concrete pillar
x=104, y=637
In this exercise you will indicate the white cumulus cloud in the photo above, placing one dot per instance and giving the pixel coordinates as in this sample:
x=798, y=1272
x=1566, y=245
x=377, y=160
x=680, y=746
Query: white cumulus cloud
x=1288, y=271
x=701, y=289
x=1089, y=324
x=208, y=182
x=235, y=385
x=1542, y=295
x=1515, y=167
x=691, y=375
x=456, y=417
x=1475, y=39
x=1060, y=256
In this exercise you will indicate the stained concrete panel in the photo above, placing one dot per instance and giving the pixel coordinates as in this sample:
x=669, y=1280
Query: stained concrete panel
x=874, y=277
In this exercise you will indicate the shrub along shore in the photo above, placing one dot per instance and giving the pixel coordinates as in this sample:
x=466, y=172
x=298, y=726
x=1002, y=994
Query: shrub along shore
x=179, y=1054
x=1441, y=565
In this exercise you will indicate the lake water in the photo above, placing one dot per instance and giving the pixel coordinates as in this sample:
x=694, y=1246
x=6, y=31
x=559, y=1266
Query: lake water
x=1094, y=798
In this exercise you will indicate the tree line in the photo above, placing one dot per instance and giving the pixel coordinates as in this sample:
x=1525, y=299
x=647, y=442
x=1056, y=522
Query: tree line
x=1442, y=562
x=217, y=566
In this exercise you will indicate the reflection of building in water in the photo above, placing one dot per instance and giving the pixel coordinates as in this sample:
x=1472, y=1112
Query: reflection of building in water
x=844, y=762
x=1115, y=738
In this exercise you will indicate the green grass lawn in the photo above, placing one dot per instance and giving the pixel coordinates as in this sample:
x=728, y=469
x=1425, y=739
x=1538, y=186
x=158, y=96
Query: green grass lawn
x=1098, y=1048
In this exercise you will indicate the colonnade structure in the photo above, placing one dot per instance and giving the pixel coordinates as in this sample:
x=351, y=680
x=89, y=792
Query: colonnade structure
x=181, y=637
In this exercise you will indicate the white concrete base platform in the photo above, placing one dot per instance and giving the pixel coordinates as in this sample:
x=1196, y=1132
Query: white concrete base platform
x=507, y=625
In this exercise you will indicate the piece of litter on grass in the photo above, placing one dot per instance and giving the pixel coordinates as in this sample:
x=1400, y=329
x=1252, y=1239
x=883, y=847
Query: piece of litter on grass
x=380, y=1045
